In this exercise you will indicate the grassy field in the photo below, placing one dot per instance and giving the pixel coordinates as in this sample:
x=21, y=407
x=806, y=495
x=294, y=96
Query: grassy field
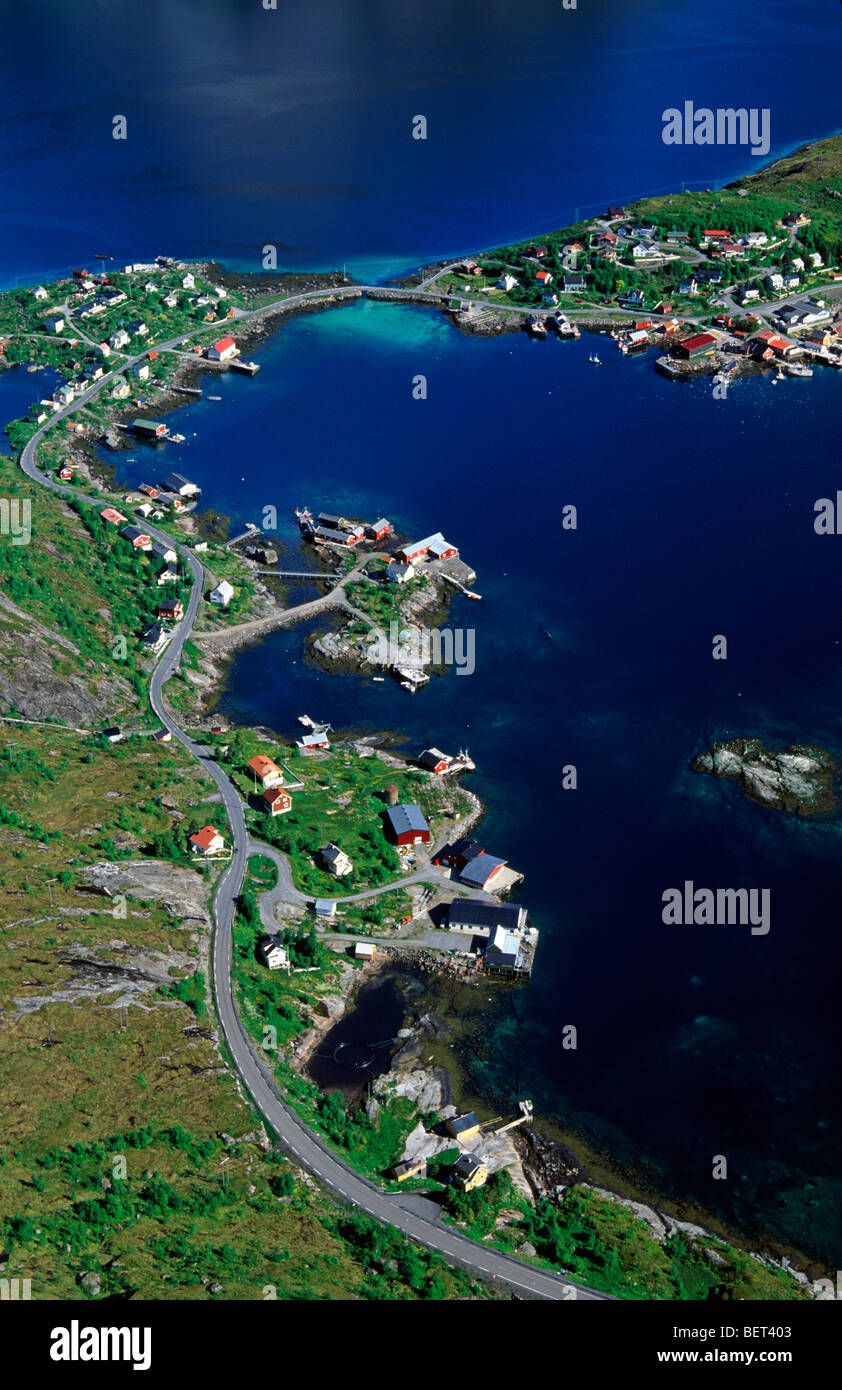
x=129, y=1153
x=342, y=800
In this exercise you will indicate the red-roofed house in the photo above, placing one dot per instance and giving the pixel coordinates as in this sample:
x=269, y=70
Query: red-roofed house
x=115, y=517
x=767, y=344
x=207, y=841
x=543, y=277
x=267, y=773
x=221, y=351
x=277, y=801
x=696, y=346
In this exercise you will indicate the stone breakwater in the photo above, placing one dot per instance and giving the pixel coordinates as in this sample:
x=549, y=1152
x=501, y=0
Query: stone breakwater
x=800, y=779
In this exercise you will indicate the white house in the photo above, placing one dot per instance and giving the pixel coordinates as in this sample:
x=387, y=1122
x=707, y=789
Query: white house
x=506, y=282
x=642, y=252
x=221, y=351
x=365, y=950
x=40, y=292
x=336, y=861
x=141, y=371
x=54, y=323
x=273, y=953
x=815, y=260
x=207, y=841
x=222, y=594
x=397, y=573
x=775, y=282
x=119, y=339
x=797, y=263
x=188, y=282
x=170, y=300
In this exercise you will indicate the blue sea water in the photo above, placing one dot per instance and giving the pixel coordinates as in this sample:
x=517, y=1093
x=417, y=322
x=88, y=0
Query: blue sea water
x=594, y=648
x=249, y=127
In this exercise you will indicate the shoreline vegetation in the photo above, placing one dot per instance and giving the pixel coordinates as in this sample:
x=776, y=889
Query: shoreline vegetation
x=591, y=276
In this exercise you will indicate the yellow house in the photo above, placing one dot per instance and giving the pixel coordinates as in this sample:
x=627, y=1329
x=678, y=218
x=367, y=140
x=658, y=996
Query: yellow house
x=415, y=1168
x=469, y=1172
x=463, y=1126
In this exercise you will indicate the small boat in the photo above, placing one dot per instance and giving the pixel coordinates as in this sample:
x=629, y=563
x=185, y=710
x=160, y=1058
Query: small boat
x=595, y=360
x=213, y=398
x=798, y=369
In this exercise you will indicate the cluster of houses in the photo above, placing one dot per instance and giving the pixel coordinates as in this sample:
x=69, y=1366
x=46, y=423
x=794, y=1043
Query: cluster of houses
x=470, y=864
x=328, y=529
x=510, y=943
x=469, y=1170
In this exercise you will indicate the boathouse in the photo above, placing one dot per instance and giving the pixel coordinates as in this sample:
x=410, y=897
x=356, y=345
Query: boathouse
x=697, y=346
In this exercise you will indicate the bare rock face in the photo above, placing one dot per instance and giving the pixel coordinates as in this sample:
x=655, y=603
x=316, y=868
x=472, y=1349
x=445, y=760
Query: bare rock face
x=31, y=684
x=800, y=779
x=181, y=892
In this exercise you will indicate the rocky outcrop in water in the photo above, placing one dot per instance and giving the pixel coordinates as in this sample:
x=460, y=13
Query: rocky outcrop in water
x=799, y=779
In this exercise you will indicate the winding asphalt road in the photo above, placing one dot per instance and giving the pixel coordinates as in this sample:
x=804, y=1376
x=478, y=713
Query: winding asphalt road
x=347, y=1185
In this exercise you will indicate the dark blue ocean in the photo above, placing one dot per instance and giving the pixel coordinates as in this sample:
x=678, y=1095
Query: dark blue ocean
x=594, y=646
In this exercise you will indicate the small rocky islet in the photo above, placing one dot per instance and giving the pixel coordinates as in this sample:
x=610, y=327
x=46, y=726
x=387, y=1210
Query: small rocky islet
x=800, y=779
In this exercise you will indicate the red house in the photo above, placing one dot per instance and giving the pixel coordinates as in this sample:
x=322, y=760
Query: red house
x=378, y=529
x=460, y=853
x=277, y=801
x=405, y=825
x=435, y=546
x=171, y=608
x=696, y=346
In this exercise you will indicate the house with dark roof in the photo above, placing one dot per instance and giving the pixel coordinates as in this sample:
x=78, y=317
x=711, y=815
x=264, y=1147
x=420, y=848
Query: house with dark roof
x=457, y=855
x=468, y=1172
x=480, y=871
x=462, y=1126
x=139, y=539
x=434, y=760
x=465, y=914
x=405, y=825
